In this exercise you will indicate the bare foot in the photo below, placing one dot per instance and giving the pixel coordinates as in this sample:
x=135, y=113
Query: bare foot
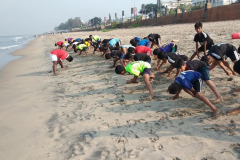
x=228, y=73
x=218, y=100
x=130, y=81
x=215, y=113
x=234, y=73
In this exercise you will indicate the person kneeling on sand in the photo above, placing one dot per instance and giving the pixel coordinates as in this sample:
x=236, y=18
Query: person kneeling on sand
x=191, y=82
x=138, y=68
x=81, y=47
x=57, y=56
x=236, y=68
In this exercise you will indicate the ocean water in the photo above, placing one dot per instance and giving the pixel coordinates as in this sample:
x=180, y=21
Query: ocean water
x=8, y=44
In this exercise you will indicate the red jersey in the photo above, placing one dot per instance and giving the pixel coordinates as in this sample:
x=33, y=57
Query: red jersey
x=59, y=43
x=61, y=54
x=143, y=49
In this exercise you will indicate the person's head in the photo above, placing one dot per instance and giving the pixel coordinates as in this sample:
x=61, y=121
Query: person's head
x=128, y=56
x=162, y=55
x=133, y=43
x=55, y=44
x=155, y=53
x=120, y=70
x=131, y=50
x=198, y=27
x=210, y=59
x=90, y=36
x=180, y=64
x=66, y=40
x=75, y=50
x=236, y=66
x=108, y=56
x=69, y=58
x=174, y=88
x=206, y=59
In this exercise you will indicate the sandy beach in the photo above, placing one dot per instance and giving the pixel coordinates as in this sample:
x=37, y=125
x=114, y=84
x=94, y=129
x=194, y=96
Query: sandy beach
x=88, y=112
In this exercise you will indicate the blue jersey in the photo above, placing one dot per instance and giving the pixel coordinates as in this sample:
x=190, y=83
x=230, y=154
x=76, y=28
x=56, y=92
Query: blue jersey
x=137, y=39
x=143, y=42
x=167, y=47
x=114, y=41
x=78, y=39
x=187, y=78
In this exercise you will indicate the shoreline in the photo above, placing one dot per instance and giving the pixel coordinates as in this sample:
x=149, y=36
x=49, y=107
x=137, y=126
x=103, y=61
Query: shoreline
x=89, y=112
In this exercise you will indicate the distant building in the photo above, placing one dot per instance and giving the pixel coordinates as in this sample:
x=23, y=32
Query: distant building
x=174, y=3
x=214, y=3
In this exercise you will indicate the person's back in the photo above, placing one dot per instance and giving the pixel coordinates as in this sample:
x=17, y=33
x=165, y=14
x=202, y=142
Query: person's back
x=61, y=54
x=113, y=42
x=169, y=47
x=222, y=51
x=142, y=57
x=187, y=78
x=143, y=42
x=137, y=67
x=195, y=65
x=143, y=49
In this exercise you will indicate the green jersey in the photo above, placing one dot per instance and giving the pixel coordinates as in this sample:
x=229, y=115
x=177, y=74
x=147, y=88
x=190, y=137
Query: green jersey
x=81, y=46
x=137, y=67
x=95, y=38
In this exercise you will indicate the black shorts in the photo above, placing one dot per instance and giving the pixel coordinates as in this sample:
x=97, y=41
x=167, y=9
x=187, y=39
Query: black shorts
x=201, y=49
x=233, y=56
x=197, y=85
x=147, y=71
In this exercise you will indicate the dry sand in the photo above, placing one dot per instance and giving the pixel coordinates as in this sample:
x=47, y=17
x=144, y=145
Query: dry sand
x=87, y=112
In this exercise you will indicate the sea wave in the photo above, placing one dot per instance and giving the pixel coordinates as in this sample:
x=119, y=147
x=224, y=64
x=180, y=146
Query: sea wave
x=17, y=38
x=8, y=47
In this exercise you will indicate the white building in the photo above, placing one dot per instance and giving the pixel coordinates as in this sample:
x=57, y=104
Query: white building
x=214, y=3
x=174, y=3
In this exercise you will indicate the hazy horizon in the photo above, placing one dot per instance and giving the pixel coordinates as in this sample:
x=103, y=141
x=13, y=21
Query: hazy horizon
x=27, y=17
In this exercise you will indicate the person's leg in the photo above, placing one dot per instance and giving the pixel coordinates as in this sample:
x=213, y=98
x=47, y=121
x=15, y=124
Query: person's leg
x=214, y=89
x=148, y=84
x=229, y=67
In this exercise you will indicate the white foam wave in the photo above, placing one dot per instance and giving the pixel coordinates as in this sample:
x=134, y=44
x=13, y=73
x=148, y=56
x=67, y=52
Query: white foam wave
x=8, y=47
x=17, y=38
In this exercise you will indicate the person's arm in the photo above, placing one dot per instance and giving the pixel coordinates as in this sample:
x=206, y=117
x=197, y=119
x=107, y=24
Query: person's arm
x=229, y=67
x=134, y=80
x=60, y=62
x=222, y=66
x=114, y=62
x=170, y=70
x=176, y=96
x=191, y=92
x=178, y=71
x=204, y=47
x=197, y=50
x=122, y=63
x=158, y=62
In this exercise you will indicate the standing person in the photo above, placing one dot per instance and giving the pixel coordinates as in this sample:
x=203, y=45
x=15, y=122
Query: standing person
x=155, y=39
x=219, y=53
x=57, y=56
x=191, y=82
x=203, y=68
x=138, y=68
x=203, y=39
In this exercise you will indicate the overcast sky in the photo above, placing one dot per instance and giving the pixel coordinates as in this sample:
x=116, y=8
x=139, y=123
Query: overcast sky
x=25, y=17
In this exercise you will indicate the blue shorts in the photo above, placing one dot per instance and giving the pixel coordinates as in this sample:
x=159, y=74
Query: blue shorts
x=122, y=56
x=205, y=73
x=147, y=71
x=149, y=61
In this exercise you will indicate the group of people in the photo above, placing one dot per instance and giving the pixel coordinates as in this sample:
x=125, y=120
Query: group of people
x=136, y=59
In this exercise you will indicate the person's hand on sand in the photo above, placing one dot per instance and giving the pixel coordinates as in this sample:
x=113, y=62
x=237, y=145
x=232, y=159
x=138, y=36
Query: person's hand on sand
x=228, y=73
x=216, y=113
x=234, y=73
x=65, y=67
x=174, y=97
x=218, y=100
x=131, y=81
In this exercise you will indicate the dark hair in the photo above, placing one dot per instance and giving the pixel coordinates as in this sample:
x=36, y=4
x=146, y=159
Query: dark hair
x=145, y=37
x=108, y=56
x=70, y=58
x=55, y=44
x=156, y=51
x=65, y=39
x=236, y=67
x=205, y=59
x=239, y=49
x=119, y=69
x=179, y=63
x=128, y=56
x=174, y=88
x=198, y=25
x=75, y=50
x=131, y=49
x=90, y=36
x=133, y=43
x=162, y=55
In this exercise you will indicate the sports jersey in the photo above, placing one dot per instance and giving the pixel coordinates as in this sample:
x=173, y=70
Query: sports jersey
x=87, y=43
x=127, y=46
x=143, y=42
x=174, y=56
x=153, y=36
x=61, y=54
x=81, y=46
x=113, y=42
x=142, y=49
x=117, y=54
x=66, y=44
x=70, y=40
x=167, y=47
x=223, y=50
x=96, y=38
x=203, y=37
x=135, y=68
x=195, y=65
x=78, y=39
x=187, y=78
x=141, y=57
x=59, y=43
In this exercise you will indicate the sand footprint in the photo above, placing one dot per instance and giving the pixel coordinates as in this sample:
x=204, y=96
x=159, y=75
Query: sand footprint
x=135, y=152
x=158, y=147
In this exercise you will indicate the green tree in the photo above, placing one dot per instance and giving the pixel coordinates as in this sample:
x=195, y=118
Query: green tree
x=148, y=8
x=172, y=11
x=95, y=21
